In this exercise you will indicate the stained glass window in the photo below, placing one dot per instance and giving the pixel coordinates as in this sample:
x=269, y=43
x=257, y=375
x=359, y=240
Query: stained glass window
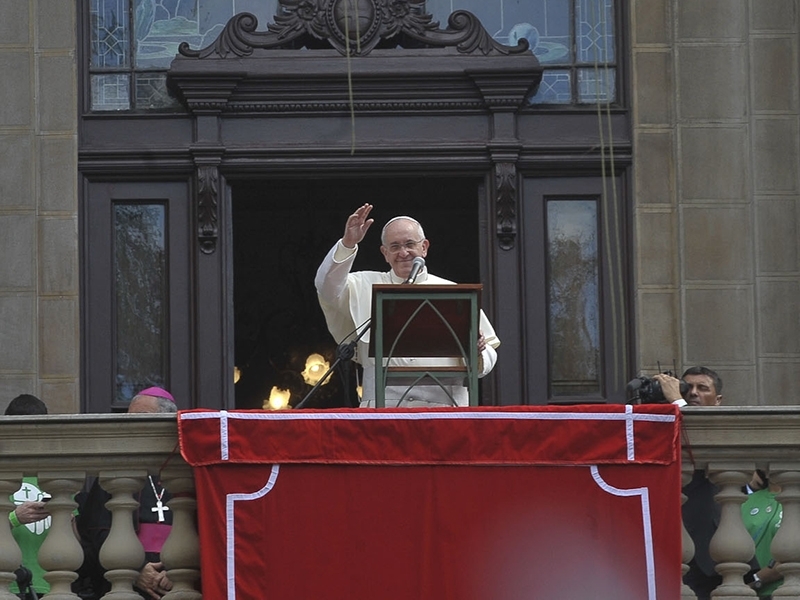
x=133, y=43
x=574, y=40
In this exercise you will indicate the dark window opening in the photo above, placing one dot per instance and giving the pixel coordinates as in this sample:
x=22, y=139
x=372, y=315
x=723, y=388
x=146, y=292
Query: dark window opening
x=282, y=229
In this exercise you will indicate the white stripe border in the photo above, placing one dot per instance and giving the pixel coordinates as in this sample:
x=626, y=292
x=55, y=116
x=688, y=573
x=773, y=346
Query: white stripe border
x=628, y=415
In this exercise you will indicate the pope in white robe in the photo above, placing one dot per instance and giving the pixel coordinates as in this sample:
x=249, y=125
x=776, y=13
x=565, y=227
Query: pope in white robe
x=346, y=301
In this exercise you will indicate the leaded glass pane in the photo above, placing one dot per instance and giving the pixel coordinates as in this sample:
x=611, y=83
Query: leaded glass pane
x=555, y=88
x=151, y=91
x=573, y=297
x=546, y=27
x=161, y=25
x=111, y=92
x=594, y=31
x=140, y=275
x=561, y=33
x=597, y=86
x=110, y=33
x=544, y=23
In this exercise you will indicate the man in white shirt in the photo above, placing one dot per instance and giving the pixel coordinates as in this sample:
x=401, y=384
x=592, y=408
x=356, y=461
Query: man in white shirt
x=346, y=301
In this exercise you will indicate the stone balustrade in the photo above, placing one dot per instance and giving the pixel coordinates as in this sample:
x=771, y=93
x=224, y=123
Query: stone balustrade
x=121, y=450
x=63, y=450
x=729, y=443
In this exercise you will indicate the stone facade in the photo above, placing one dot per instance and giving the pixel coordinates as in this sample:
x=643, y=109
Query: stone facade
x=39, y=283
x=715, y=113
x=715, y=102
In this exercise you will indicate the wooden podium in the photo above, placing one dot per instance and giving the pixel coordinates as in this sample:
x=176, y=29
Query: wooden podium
x=425, y=321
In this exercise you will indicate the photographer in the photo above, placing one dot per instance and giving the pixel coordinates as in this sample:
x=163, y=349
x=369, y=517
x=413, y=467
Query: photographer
x=704, y=387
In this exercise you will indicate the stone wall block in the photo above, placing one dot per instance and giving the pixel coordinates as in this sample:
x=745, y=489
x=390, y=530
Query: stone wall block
x=18, y=264
x=719, y=325
x=16, y=182
x=711, y=82
x=58, y=337
x=58, y=256
x=775, y=15
x=776, y=154
x=657, y=249
x=773, y=74
x=658, y=316
x=61, y=397
x=15, y=26
x=651, y=22
x=777, y=221
x=717, y=243
x=17, y=330
x=56, y=25
x=16, y=101
x=779, y=382
x=713, y=163
x=58, y=174
x=712, y=19
x=57, y=93
x=779, y=326
x=654, y=83
x=655, y=171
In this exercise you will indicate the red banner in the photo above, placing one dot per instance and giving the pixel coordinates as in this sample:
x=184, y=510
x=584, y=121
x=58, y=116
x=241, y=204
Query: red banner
x=465, y=504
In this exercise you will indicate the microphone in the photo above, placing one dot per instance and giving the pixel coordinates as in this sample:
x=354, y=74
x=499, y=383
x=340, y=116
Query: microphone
x=416, y=267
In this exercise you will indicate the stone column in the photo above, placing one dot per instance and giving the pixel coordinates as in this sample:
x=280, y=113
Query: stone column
x=731, y=547
x=122, y=553
x=181, y=551
x=61, y=553
x=10, y=555
x=786, y=545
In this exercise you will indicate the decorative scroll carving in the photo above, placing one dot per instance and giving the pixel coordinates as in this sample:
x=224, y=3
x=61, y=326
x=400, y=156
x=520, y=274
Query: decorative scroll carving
x=505, y=177
x=207, y=208
x=354, y=26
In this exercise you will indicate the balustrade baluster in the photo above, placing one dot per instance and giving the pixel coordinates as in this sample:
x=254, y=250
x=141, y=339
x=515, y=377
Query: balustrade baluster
x=786, y=544
x=122, y=554
x=10, y=555
x=61, y=554
x=181, y=551
x=731, y=547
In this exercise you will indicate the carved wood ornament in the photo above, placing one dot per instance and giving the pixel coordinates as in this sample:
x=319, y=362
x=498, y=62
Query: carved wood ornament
x=353, y=27
x=207, y=208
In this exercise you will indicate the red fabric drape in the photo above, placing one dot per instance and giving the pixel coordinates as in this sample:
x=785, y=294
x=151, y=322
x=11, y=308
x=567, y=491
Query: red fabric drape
x=463, y=504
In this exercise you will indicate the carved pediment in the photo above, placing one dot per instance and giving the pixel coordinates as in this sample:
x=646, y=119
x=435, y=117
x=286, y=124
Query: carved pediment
x=353, y=27
x=378, y=56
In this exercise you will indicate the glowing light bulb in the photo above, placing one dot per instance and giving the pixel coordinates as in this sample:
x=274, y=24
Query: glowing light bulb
x=237, y=375
x=278, y=399
x=316, y=367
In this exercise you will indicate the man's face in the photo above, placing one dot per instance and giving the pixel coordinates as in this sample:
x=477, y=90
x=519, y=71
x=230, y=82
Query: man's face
x=402, y=246
x=701, y=391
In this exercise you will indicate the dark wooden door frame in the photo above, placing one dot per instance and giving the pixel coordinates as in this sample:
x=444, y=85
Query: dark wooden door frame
x=289, y=101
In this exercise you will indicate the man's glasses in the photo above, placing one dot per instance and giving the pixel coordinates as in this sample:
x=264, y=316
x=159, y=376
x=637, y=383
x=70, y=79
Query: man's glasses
x=409, y=246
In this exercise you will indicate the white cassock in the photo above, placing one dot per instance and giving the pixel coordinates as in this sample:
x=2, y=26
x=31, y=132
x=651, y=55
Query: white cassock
x=346, y=301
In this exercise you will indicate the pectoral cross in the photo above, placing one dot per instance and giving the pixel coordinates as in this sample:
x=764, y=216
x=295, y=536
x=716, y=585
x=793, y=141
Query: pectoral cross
x=160, y=509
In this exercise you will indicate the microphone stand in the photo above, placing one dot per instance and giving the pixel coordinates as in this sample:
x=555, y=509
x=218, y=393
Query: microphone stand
x=345, y=351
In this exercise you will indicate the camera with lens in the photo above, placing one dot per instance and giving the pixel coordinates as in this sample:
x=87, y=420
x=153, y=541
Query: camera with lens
x=646, y=390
